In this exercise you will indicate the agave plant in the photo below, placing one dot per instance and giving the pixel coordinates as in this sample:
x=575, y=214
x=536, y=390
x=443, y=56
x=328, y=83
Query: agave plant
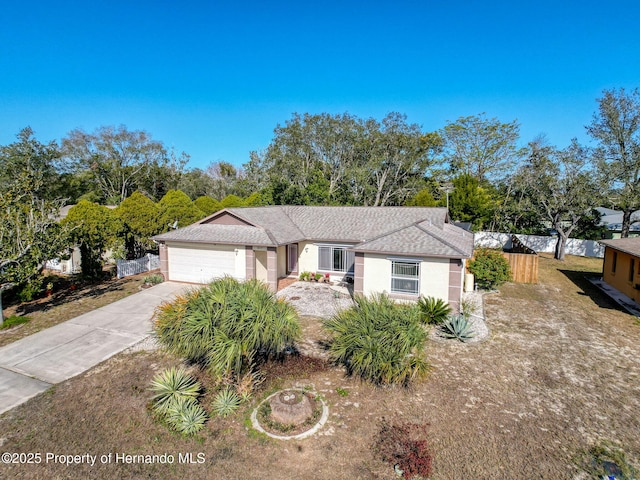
x=434, y=310
x=171, y=384
x=457, y=326
x=186, y=415
x=226, y=402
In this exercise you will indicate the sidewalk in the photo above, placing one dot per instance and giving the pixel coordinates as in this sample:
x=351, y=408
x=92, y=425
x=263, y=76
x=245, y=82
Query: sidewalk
x=617, y=296
x=32, y=364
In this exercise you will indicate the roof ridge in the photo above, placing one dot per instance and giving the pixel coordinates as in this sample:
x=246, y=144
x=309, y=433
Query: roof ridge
x=386, y=234
x=285, y=210
x=438, y=237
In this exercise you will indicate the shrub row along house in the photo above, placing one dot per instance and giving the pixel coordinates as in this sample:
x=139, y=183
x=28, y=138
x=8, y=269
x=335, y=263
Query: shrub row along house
x=403, y=251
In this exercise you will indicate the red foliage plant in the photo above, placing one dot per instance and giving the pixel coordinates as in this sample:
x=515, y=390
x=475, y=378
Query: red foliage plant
x=405, y=447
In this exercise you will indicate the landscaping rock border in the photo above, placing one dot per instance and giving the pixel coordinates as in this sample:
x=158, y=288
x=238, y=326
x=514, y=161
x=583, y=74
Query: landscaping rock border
x=323, y=419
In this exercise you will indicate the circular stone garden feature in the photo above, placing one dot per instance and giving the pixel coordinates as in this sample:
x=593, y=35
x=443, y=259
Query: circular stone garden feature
x=290, y=407
x=290, y=414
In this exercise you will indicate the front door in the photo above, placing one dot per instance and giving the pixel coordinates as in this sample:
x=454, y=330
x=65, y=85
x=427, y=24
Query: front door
x=292, y=258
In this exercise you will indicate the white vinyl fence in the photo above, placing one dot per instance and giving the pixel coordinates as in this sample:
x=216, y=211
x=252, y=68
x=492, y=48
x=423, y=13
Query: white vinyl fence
x=139, y=265
x=575, y=246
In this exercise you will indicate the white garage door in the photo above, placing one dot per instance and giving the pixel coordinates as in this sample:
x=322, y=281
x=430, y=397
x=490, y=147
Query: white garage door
x=201, y=264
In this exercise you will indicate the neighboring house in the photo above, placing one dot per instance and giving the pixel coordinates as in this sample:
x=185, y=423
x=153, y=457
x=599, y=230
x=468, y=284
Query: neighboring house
x=404, y=251
x=71, y=262
x=621, y=267
x=612, y=219
x=68, y=264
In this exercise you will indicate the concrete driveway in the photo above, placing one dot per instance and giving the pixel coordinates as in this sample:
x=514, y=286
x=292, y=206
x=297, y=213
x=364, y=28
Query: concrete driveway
x=31, y=365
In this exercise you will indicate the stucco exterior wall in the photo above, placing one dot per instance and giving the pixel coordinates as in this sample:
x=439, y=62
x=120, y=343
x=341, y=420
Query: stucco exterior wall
x=225, y=219
x=620, y=278
x=307, y=257
x=434, y=276
x=241, y=262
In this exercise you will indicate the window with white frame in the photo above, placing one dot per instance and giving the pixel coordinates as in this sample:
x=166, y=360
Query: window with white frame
x=335, y=258
x=405, y=277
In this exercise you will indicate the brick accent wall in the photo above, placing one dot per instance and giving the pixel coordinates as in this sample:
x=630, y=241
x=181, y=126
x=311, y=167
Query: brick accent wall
x=251, y=262
x=164, y=260
x=455, y=284
x=272, y=268
x=358, y=273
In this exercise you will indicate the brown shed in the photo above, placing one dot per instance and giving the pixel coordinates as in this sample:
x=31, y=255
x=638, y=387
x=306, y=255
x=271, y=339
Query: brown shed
x=621, y=268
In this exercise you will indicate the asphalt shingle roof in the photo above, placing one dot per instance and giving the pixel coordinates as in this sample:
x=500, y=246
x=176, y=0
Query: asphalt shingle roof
x=626, y=245
x=230, y=234
x=274, y=219
x=357, y=224
x=399, y=230
x=423, y=239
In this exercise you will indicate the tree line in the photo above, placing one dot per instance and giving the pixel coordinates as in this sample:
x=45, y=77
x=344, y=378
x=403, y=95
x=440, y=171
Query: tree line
x=474, y=165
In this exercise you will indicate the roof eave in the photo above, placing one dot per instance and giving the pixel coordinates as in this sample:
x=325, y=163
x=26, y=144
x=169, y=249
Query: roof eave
x=620, y=249
x=459, y=256
x=212, y=242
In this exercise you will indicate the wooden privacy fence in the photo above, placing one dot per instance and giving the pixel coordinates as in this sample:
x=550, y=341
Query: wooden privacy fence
x=524, y=267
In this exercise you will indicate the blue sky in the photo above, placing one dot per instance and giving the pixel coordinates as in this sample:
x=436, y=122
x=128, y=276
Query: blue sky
x=214, y=79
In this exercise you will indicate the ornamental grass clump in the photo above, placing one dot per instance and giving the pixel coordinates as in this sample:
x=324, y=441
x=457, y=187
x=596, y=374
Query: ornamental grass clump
x=379, y=340
x=228, y=326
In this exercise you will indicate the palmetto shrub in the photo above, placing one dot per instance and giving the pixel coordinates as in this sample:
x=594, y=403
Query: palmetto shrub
x=227, y=326
x=379, y=340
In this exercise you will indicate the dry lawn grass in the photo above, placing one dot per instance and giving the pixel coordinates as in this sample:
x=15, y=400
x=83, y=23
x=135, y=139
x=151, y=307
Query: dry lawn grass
x=67, y=304
x=559, y=373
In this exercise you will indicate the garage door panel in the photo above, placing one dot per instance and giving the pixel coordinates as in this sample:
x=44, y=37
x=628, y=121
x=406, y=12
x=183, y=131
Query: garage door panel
x=201, y=264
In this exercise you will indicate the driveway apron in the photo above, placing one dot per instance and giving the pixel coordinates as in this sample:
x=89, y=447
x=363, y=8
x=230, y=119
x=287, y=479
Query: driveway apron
x=31, y=365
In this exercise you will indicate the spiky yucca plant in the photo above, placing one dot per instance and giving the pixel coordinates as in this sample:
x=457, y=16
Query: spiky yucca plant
x=171, y=384
x=226, y=402
x=434, y=310
x=457, y=326
x=379, y=340
x=227, y=325
x=186, y=415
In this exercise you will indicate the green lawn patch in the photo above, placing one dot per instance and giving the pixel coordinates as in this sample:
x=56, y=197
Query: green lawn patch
x=14, y=320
